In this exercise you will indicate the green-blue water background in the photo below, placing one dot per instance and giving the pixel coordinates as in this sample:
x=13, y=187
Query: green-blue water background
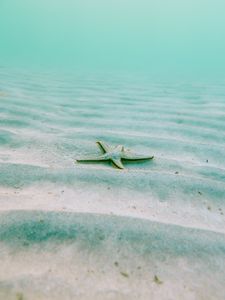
x=162, y=37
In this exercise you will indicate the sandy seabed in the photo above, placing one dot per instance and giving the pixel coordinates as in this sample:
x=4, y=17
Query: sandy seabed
x=155, y=230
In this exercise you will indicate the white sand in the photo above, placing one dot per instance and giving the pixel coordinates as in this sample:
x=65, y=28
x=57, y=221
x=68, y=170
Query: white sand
x=46, y=121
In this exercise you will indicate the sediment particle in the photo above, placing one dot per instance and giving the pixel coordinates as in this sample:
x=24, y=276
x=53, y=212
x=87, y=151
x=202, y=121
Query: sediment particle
x=157, y=280
x=124, y=274
x=19, y=296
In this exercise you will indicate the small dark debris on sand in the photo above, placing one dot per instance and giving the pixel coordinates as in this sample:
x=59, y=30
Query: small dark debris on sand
x=124, y=274
x=26, y=244
x=220, y=210
x=19, y=296
x=157, y=280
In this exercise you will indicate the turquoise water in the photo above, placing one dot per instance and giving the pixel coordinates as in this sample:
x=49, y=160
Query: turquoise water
x=164, y=38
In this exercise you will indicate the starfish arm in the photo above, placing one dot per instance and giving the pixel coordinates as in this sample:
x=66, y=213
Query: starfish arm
x=118, y=163
x=133, y=156
x=104, y=146
x=93, y=158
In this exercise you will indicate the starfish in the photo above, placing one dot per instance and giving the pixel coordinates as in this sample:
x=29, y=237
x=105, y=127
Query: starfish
x=115, y=154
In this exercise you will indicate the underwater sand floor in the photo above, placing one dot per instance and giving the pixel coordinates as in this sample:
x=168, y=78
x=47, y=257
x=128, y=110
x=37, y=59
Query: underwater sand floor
x=90, y=231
